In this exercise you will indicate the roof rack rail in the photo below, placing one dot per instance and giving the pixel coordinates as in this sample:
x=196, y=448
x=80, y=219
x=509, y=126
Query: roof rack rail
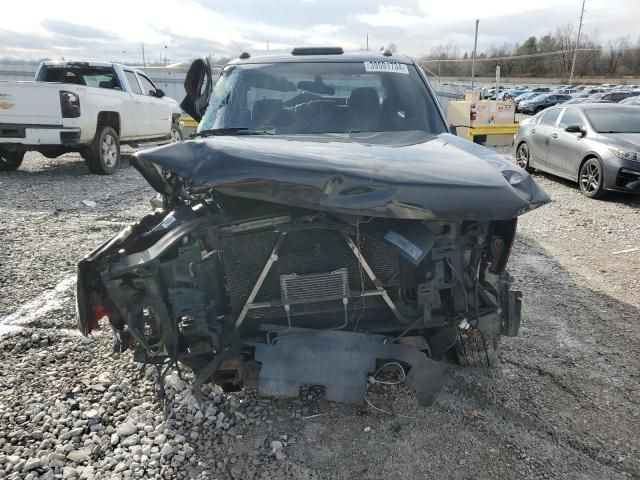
x=317, y=51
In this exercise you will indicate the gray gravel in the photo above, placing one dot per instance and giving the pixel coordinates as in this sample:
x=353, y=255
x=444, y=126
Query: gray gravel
x=563, y=402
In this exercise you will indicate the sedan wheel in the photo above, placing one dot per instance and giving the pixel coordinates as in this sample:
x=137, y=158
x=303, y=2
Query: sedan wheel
x=175, y=134
x=522, y=157
x=591, y=178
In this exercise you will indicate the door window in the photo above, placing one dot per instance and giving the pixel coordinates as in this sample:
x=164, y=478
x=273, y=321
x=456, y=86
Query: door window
x=570, y=117
x=133, y=82
x=550, y=117
x=147, y=85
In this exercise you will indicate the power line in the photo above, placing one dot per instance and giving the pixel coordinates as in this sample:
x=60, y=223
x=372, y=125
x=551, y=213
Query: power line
x=511, y=57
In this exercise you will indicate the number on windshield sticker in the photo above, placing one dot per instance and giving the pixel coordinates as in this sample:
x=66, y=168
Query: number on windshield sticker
x=391, y=67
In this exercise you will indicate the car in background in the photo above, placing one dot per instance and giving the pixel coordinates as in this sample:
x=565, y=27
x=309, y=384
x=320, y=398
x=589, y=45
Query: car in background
x=514, y=92
x=592, y=90
x=542, y=101
x=627, y=87
x=596, y=145
x=541, y=89
x=86, y=107
x=631, y=101
x=490, y=93
x=576, y=101
x=611, y=96
x=524, y=97
x=581, y=94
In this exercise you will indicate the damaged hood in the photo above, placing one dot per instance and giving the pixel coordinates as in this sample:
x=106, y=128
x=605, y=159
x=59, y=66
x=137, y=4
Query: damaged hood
x=408, y=175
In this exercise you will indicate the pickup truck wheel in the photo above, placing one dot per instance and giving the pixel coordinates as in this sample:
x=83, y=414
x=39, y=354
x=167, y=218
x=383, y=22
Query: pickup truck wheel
x=10, y=160
x=176, y=133
x=103, y=154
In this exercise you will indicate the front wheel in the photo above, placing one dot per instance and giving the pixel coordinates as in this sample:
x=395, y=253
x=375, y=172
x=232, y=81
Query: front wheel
x=10, y=160
x=103, y=154
x=591, y=178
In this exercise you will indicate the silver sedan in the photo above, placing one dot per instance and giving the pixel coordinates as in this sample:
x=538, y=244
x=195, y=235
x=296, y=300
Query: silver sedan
x=596, y=145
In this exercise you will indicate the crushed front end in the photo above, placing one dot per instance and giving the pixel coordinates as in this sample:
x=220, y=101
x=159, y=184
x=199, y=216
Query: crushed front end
x=244, y=290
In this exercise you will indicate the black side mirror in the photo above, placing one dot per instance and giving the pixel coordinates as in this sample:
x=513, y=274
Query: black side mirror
x=198, y=84
x=576, y=129
x=159, y=93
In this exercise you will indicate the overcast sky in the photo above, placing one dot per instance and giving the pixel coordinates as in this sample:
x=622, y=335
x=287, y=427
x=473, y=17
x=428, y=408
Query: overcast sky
x=115, y=30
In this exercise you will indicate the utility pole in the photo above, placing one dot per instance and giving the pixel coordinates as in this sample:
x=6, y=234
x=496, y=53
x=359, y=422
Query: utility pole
x=473, y=62
x=144, y=62
x=575, y=51
x=268, y=45
x=367, y=42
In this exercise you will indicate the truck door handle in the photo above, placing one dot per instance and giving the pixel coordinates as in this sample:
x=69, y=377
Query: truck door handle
x=554, y=135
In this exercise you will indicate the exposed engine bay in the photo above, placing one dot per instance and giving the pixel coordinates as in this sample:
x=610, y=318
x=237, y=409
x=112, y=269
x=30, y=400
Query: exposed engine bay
x=247, y=292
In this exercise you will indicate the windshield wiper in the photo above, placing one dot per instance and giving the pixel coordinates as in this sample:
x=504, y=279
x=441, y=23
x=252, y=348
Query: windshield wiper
x=230, y=131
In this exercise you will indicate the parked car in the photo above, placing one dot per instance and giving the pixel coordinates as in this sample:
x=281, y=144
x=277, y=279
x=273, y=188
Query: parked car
x=575, y=101
x=596, y=145
x=611, y=96
x=521, y=98
x=513, y=92
x=491, y=92
x=86, y=107
x=323, y=215
x=542, y=101
x=592, y=90
x=631, y=101
x=541, y=89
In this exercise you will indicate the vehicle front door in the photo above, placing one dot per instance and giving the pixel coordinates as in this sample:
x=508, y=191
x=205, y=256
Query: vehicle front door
x=564, y=147
x=541, y=135
x=159, y=109
x=137, y=108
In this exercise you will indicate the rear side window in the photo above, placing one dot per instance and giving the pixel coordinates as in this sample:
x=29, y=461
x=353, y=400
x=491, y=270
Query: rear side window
x=133, y=82
x=550, y=117
x=570, y=117
x=97, y=77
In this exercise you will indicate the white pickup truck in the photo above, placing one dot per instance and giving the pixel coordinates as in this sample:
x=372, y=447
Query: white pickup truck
x=86, y=107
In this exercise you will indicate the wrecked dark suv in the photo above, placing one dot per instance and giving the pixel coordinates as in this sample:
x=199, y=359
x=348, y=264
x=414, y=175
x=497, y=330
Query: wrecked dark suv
x=320, y=222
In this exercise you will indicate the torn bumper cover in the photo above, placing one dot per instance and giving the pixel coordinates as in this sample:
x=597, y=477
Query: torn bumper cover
x=278, y=258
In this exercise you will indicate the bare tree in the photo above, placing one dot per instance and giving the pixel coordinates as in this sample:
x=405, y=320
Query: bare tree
x=588, y=61
x=615, y=52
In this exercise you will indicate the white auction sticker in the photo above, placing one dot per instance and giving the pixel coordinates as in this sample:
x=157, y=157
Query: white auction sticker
x=391, y=67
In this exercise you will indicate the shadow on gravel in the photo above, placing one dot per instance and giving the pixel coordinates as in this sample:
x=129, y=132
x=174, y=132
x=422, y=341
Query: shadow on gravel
x=629, y=199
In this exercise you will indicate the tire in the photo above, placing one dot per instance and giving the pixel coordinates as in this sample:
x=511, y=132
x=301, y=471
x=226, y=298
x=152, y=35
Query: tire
x=103, y=153
x=176, y=133
x=591, y=178
x=523, y=156
x=10, y=161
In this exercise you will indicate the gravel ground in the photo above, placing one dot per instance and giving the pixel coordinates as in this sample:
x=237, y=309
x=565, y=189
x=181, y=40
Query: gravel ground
x=563, y=403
